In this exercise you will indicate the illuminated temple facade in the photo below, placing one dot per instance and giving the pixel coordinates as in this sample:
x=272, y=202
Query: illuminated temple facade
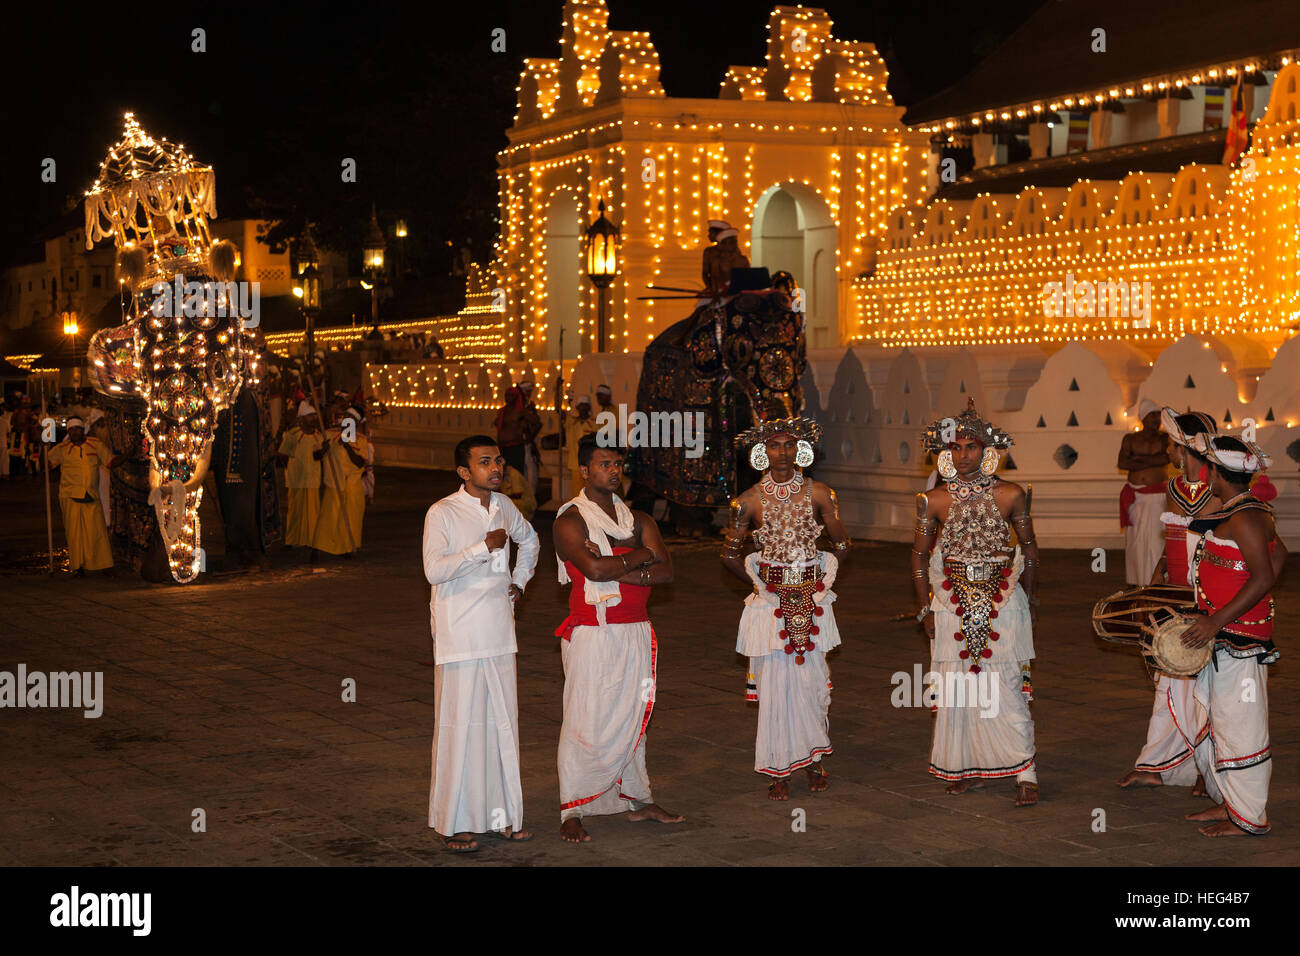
x=924, y=290
x=805, y=156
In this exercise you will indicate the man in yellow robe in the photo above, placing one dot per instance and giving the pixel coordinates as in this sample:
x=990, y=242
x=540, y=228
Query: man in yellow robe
x=302, y=476
x=343, y=501
x=578, y=423
x=78, y=458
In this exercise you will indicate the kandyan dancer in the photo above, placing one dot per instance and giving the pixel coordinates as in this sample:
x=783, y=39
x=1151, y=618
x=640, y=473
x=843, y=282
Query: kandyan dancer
x=1166, y=757
x=980, y=620
x=788, y=625
x=1237, y=560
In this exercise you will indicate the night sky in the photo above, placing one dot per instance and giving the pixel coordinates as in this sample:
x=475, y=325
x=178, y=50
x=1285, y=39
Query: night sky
x=416, y=97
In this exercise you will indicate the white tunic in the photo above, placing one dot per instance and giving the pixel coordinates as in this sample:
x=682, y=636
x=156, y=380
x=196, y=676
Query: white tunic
x=469, y=607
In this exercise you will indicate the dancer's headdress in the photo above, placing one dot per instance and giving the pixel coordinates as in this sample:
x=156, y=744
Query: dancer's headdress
x=1251, y=460
x=1183, y=428
x=968, y=423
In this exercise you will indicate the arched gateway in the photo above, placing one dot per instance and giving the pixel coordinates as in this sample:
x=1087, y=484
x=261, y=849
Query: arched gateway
x=793, y=230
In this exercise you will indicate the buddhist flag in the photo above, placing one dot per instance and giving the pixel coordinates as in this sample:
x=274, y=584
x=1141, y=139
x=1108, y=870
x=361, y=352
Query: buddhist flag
x=1237, y=135
x=1077, y=141
x=1214, y=99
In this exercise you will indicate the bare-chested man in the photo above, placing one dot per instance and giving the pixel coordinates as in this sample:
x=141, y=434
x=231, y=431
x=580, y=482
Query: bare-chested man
x=613, y=556
x=1145, y=456
x=788, y=625
x=980, y=620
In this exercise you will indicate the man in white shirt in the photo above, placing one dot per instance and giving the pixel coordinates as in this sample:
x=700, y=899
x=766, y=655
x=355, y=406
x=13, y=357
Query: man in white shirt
x=475, y=786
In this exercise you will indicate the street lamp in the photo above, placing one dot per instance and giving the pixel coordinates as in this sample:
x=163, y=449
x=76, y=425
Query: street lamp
x=70, y=329
x=308, y=286
x=373, y=251
x=602, y=264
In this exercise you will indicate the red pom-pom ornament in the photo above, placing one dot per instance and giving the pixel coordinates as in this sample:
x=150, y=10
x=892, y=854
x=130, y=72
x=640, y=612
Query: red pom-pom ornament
x=818, y=611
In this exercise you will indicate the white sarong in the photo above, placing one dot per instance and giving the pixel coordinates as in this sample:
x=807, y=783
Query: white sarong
x=609, y=685
x=475, y=784
x=793, y=711
x=982, y=727
x=1234, y=755
x=1144, y=539
x=793, y=699
x=1171, y=732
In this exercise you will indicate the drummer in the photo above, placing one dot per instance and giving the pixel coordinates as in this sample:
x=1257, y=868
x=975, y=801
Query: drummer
x=1166, y=758
x=1237, y=559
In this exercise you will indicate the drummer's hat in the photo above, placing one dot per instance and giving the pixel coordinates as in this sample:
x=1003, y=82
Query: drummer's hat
x=1183, y=428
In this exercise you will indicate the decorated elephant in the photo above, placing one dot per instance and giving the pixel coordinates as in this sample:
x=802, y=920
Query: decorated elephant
x=184, y=348
x=733, y=359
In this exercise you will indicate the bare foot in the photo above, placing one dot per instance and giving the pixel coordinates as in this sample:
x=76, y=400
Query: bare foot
x=572, y=831
x=654, y=812
x=1216, y=812
x=818, y=778
x=961, y=786
x=1198, y=788
x=1222, y=828
x=1136, y=779
x=1026, y=794
x=461, y=843
x=779, y=789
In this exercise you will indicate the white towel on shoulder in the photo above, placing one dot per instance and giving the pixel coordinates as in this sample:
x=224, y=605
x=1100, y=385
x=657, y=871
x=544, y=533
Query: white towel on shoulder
x=599, y=529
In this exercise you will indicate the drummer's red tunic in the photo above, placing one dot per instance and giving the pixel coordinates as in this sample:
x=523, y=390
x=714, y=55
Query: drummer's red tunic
x=631, y=609
x=1176, y=553
x=1221, y=574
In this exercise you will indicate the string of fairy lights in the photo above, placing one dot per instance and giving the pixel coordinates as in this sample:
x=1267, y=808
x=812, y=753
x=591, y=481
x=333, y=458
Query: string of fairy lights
x=960, y=273
x=1207, y=239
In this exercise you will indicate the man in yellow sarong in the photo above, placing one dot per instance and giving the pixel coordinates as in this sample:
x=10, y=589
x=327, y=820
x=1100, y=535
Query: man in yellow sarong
x=78, y=458
x=343, y=501
x=298, y=452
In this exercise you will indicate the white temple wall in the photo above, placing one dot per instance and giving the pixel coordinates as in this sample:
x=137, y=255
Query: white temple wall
x=874, y=402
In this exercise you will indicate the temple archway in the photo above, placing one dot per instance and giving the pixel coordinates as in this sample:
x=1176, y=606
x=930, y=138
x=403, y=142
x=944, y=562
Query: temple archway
x=793, y=230
x=564, y=275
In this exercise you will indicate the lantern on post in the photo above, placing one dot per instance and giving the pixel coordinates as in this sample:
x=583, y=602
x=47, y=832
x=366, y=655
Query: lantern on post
x=602, y=265
x=373, y=250
x=308, y=286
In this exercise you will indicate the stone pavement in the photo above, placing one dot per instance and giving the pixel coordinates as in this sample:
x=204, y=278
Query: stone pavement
x=225, y=696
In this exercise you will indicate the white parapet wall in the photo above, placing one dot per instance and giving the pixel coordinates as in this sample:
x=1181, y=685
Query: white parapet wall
x=1067, y=409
